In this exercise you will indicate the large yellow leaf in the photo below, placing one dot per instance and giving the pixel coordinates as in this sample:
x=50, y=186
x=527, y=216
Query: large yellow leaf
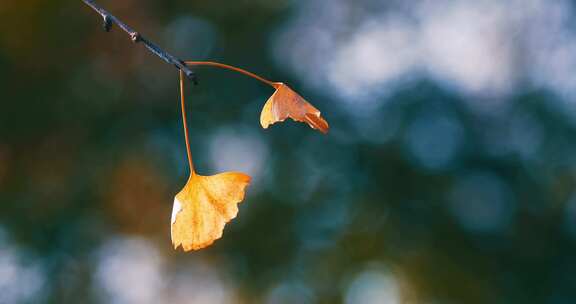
x=204, y=206
x=286, y=103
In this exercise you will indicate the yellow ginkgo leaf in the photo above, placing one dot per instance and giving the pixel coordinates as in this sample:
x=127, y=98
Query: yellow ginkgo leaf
x=286, y=103
x=206, y=203
x=204, y=206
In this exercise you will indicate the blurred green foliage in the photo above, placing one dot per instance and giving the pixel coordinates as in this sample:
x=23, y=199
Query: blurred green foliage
x=91, y=150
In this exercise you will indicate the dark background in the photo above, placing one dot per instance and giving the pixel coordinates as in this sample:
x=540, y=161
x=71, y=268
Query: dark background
x=448, y=174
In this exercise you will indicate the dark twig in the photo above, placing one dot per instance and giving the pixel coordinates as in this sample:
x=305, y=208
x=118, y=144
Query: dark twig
x=109, y=19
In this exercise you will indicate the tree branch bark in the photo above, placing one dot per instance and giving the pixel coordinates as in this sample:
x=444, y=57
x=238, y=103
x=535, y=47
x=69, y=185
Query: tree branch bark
x=109, y=20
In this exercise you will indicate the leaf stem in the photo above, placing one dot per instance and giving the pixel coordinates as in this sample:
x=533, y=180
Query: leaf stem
x=185, y=123
x=232, y=68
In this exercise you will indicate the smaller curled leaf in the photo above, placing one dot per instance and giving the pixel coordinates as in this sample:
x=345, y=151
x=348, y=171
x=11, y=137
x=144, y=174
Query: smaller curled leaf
x=286, y=103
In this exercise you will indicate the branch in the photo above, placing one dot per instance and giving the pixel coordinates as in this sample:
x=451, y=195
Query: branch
x=109, y=19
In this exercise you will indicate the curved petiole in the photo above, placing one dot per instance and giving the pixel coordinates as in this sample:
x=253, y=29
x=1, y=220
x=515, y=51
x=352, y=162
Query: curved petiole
x=232, y=68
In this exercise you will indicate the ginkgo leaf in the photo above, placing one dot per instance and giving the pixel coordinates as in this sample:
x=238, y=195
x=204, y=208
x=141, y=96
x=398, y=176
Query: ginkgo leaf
x=204, y=206
x=286, y=103
x=282, y=104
